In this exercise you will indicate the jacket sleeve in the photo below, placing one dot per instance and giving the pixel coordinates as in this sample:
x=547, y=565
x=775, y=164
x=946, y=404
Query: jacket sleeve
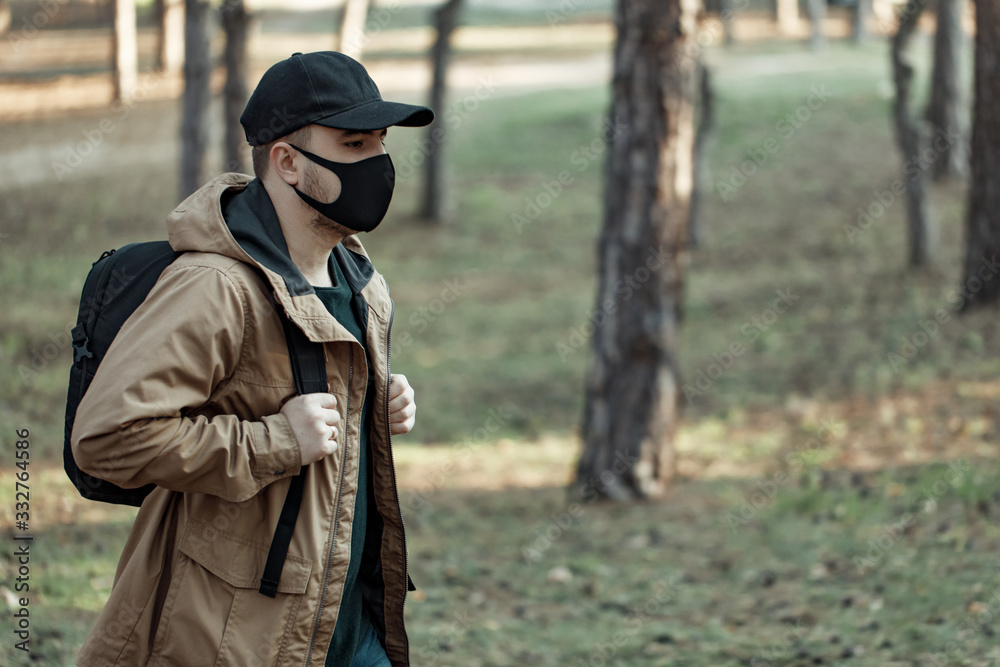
x=133, y=425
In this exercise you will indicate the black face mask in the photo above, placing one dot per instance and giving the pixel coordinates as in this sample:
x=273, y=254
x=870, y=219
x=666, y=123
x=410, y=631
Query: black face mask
x=365, y=191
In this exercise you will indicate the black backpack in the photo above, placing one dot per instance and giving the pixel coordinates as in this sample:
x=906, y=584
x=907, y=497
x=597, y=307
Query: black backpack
x=117, y=283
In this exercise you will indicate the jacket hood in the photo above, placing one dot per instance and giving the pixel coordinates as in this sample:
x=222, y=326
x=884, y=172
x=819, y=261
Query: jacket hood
x=232, y=215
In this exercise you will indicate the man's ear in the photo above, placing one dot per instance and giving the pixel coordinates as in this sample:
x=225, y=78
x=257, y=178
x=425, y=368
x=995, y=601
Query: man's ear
x=282, y=158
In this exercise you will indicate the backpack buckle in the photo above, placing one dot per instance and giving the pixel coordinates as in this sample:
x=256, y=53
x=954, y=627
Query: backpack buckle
x=80, y=344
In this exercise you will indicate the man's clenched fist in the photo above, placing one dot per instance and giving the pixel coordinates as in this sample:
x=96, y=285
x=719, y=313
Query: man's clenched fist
x=315, y=421
x=402, y=409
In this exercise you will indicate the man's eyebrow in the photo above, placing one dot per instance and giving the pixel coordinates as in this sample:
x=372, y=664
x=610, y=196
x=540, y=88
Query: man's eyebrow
x=350, y=134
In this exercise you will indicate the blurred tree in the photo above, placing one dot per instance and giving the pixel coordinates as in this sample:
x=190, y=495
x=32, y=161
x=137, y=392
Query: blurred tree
x=125, y=54
x=981, y=284
x=4, y=17
x=945, y=111
x=911, y=135
x=351, y=41
x=197, y=95
x=633, y=389
x=445, y=21
x=862, y=15
x=706, y=126
x=235, y=21
x=817, y=21
x=170, y=36
x=724, y=10
x=786, y=12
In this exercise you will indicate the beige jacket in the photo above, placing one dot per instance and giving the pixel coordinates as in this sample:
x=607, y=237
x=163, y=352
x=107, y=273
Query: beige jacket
x=188, y=398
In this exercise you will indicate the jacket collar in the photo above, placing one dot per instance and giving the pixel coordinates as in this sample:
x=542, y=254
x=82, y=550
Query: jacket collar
x=233, y=215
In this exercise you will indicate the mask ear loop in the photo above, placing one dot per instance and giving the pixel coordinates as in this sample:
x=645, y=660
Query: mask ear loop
x=312, y=157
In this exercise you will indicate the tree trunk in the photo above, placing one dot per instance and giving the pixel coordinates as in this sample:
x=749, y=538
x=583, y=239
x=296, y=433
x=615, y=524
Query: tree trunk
x=4, y=17
x=911, y=135
x=817, y=21
x=170, y=36
x=352, y=40
x=633, y=386
x=726, y=14
x=197, y=73
x=788, y=16
x=445, y=20
x=125, y=54
x=945, y=109
x=706, y=126
x=235, y=21
x=981, y=284
x=862, y=15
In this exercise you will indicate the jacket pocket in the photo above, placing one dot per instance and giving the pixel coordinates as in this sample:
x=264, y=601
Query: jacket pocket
x=217, y=616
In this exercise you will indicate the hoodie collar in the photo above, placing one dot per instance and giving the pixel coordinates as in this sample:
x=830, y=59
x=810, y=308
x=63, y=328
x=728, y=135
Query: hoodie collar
x=233, y=216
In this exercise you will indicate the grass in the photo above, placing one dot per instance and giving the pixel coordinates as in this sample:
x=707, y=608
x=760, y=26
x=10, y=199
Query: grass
x=751, y=570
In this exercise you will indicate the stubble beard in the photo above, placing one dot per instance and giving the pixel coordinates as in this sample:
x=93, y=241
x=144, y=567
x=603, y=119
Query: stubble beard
x=319, y=222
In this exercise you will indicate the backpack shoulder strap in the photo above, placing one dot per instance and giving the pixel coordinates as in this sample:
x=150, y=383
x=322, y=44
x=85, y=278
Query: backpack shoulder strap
x=309, y=370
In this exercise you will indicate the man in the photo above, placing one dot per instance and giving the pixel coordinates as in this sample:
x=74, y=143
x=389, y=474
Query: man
x=196, y=395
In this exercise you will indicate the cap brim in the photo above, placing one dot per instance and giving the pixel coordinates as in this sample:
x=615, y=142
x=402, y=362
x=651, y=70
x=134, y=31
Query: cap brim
x=378, y=114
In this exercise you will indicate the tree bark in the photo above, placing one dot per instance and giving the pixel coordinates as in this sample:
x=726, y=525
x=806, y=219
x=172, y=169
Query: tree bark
x=706, y=126
x=946, y=105
x=235, y=21
x=125, y=54
x=170, y=36
x=817, y=21
x=445, y=21
x=632, y=391
x=980, y=284
x=352, y=39
x=197, y=95
x=911, y=135
x=862, y=15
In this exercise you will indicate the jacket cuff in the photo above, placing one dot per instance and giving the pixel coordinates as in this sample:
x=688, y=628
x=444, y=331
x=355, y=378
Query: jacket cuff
x=276, y=452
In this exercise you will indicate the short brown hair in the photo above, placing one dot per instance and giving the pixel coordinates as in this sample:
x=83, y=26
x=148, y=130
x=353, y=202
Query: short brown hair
x=261, y=155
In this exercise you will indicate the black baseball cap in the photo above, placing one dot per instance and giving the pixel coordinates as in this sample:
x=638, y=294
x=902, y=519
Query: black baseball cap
x=326, y=88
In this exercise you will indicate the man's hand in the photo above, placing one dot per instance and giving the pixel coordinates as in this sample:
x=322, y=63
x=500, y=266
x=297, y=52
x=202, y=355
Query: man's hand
x=315, y=421
x=402, y=409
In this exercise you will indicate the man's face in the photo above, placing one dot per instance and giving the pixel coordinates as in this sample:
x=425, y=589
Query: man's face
x=338, y=146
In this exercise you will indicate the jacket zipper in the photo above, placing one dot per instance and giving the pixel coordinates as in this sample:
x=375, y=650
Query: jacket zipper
x=392, y=464
x=340, y=502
